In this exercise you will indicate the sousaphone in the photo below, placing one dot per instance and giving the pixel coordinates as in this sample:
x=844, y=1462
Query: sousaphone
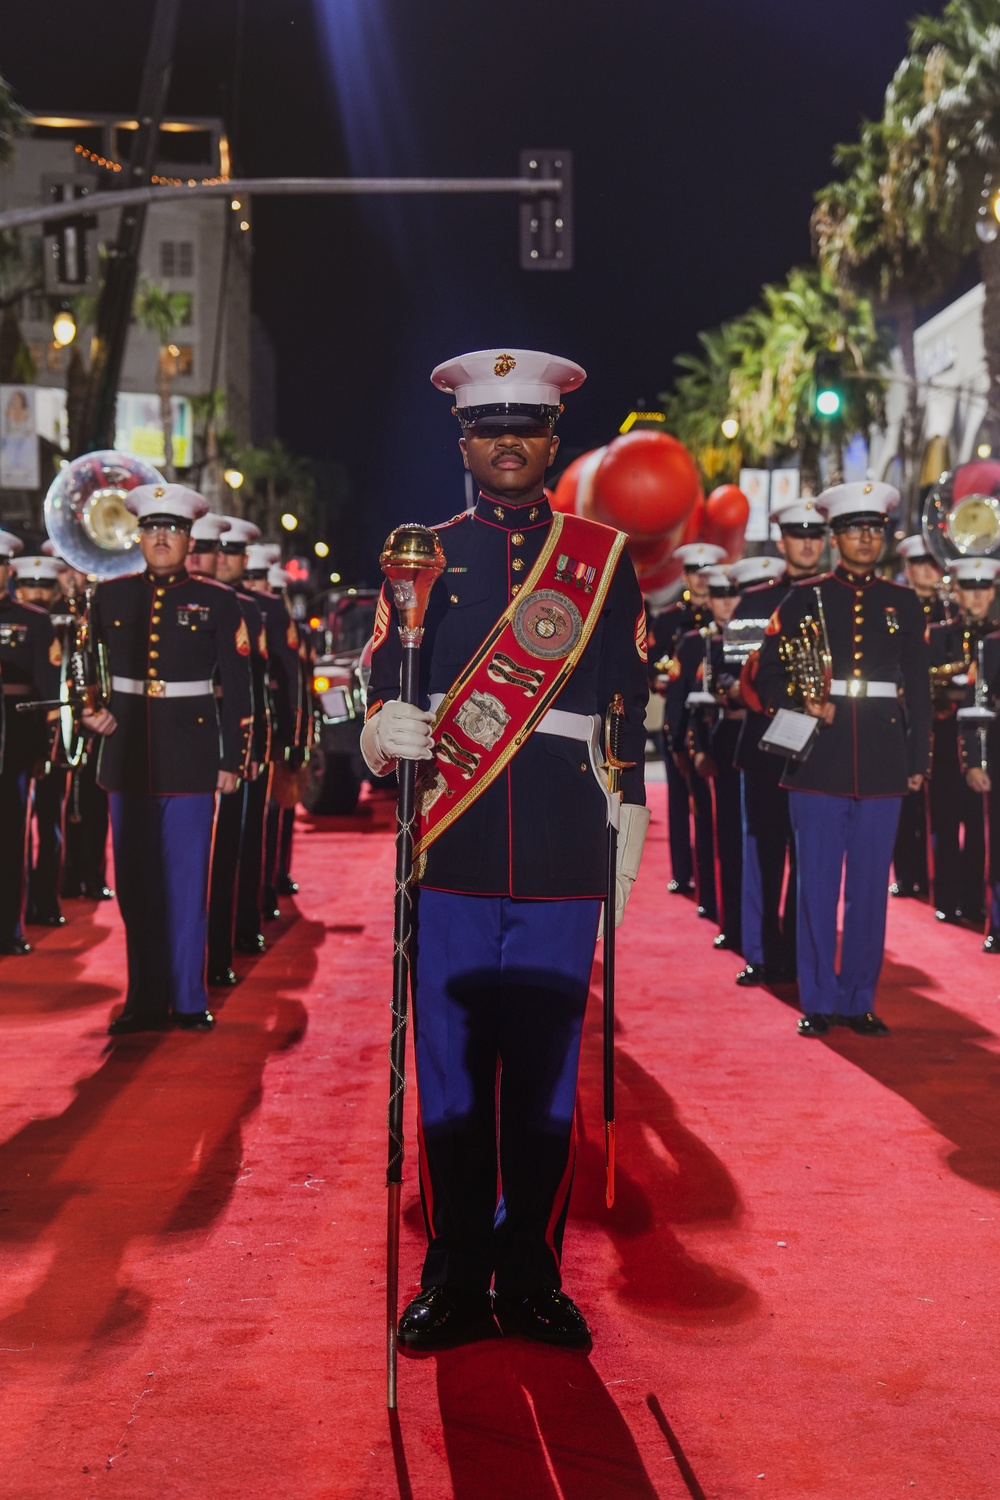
x=92, y=529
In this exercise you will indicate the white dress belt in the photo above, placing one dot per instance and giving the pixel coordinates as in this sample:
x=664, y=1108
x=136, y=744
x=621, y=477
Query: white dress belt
x=556, y=721
x=857, y=687
x=155, y=688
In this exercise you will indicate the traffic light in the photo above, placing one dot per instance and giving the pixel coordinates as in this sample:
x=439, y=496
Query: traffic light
x=828, y=380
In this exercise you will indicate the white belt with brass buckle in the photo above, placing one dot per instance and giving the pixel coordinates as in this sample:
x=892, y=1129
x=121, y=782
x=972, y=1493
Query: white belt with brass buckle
x=556, y=721
x=155, y=688
x=857, y=687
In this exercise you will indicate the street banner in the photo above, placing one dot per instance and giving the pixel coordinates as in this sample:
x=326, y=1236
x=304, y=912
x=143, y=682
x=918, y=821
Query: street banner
x=755, y=484
x=18, y=438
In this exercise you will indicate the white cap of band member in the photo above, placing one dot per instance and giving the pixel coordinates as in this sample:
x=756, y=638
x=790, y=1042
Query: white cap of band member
x=720, y=580
x=208, y=528
x=49, y=549
x=751, y=570
x=174, y=501
x=278, y=578
x=695, y=555
x=10, y=546
x=238, y=533
x=36, y=569
x=970, y=570
x=806, y=511
x=522, y=385
x=258, y=559
x=914, y=549
x=272, y=551
x=846, y=504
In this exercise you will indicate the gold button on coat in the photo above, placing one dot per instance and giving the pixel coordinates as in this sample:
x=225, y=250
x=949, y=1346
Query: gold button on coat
x=517, y=564
x=517, y=539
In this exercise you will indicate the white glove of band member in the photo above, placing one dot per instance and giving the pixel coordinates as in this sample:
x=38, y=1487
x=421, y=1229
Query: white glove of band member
x=633, y=824
x=399, y=731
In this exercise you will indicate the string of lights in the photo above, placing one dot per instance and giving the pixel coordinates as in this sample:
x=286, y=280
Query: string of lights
x=116, y=166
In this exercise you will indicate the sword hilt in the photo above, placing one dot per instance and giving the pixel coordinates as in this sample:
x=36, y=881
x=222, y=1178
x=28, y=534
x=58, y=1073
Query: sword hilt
x=613, y=765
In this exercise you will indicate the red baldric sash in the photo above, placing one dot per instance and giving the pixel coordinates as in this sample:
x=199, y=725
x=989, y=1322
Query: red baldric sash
x=517, y=672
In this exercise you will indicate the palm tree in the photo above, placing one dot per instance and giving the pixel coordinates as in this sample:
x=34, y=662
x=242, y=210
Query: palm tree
x=950, y=82
x=278, y=482
x=12, y=119
x=877, y=235
x=700, y=400
x=772, y=387
x=207, y=409
x=162, y=312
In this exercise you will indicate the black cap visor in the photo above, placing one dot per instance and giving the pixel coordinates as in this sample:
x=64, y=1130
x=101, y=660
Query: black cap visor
x=496, y=419
x=859, y=518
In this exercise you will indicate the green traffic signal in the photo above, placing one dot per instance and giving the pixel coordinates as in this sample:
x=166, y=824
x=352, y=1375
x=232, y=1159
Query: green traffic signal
x=828, y=399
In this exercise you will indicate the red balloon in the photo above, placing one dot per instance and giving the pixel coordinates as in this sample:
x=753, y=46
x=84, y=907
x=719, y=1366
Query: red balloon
x=980, y=477
x=727, y=511
x=646, y=484
x=566, y=493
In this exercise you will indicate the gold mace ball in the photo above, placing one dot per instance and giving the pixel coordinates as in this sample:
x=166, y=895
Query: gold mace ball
x=412, y=561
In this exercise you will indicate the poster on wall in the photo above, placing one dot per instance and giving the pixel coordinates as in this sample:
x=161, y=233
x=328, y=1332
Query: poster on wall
x=755, y=484
x=138, y=430
x=18, y=438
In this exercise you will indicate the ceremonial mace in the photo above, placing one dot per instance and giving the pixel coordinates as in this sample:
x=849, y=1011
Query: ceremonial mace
x=412, y=561
x=613, y=765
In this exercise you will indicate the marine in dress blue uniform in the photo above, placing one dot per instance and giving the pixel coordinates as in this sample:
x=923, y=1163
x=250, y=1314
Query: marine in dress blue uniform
x=958, y=832
x=287, y=714
x=207, y=537
x=910, y=856
x=689, y=612
x=35, y=582
x=169, y=746
x=510, y=894
x=768, y=898
x=29, y=660
x=873, y=742
x=979, y=751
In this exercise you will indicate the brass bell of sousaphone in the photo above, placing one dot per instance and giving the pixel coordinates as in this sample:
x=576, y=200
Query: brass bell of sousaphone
x=92, y=529
x=962, y=513
x=86, y=516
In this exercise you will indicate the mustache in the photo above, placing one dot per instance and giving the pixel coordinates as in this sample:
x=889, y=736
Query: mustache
x=508, y=453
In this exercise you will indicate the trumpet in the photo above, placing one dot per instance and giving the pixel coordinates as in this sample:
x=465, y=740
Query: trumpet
x=808, y=659
x=707, y=696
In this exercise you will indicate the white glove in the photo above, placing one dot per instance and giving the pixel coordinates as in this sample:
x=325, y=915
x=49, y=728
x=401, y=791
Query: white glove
x=633, y=824
x=399, y=731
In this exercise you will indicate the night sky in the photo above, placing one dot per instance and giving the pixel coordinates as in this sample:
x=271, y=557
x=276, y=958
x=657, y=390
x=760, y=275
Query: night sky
x=700, y=129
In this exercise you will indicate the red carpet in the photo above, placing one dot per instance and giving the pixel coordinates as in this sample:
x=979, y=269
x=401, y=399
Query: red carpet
x=794, y=1296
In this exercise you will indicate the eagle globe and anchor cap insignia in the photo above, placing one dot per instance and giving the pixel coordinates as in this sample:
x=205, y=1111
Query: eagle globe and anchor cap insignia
x=547, y=625
x=504, y=365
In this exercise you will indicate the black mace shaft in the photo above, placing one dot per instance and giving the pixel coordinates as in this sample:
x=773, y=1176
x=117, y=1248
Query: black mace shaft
x=411, y=560
x=402, y=928
x=613, y=768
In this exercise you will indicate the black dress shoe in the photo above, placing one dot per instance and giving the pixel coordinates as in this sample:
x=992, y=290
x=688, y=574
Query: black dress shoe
x=287, y=886
x=991, y=942
x=270, y=913
x=547, y=1315
x=255, y=944
x=707, y=913
x=14, y=947
x=752, y=974
x=954, y=917
x=680, y=887
x=814, y=1025
x=130, y=1022
x=98, y=893
x=34, y=919
x=222, y=978
x=722, y=942
x=443, y=1316
x=197, y=1020
x=867, y=1025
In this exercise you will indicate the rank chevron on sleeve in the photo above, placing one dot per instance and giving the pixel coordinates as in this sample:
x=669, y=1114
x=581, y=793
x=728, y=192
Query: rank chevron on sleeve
x=518, y=671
